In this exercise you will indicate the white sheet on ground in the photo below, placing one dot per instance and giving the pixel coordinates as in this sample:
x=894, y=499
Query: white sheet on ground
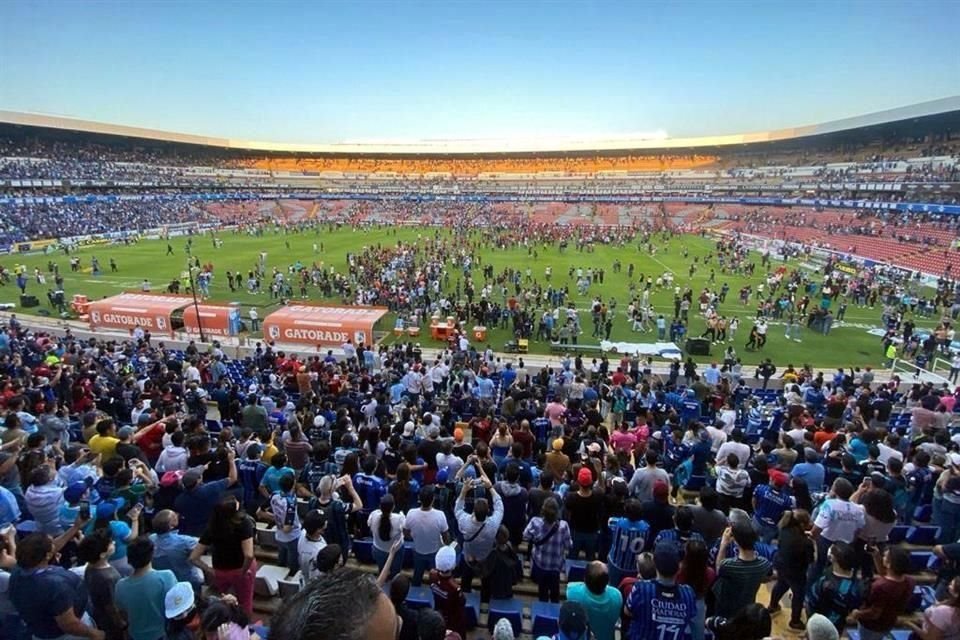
x=662, y=349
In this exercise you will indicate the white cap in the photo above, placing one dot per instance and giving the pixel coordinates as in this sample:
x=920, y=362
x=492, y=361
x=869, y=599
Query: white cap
x=954, y=459
x=178, y=600
x=446, y=560
x=408, y=429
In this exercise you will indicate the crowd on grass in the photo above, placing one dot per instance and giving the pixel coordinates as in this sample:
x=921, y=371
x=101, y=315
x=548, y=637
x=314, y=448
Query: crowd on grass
x=137, y=484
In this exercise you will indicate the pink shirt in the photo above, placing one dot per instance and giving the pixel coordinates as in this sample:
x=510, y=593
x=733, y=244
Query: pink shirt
x=623, y=440
x=554, y=411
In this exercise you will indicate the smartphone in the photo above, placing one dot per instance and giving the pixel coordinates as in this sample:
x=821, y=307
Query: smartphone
x=84, y=509
x=290, y=515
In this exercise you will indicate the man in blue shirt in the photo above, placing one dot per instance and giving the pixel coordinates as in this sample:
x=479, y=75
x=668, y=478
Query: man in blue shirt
x=811, y=471
x=661, y=608
x=195, y=505
x=370, y=487
x=172, y=549
x=769, y=503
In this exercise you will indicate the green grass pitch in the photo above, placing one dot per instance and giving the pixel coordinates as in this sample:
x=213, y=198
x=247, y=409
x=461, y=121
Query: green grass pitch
x=845, y=346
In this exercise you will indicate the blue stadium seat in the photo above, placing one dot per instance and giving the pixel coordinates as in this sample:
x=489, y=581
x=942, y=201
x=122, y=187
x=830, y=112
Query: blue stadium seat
x=898, y=534
x=472, y=613
x=511, y=609
x=546, y=617
x=919, y=561
x=575, y=570
x=363, y=550
x=420, y=598
x=923, y=513
x=923, y=536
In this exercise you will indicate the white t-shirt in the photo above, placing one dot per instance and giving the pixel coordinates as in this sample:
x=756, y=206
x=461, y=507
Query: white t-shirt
x=396, y=529
x=729, y=419
x=840, y=520
x=426, y=529
x=739, y=449
x=307, y=551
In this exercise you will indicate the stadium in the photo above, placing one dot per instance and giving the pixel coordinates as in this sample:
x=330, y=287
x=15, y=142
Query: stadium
x=610, y=387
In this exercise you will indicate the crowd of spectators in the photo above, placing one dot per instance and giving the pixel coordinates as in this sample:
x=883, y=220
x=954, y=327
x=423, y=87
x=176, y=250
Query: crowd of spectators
x=137, y=483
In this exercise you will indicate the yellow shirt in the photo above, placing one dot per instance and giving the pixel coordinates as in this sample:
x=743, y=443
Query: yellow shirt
x=106, y=446
x=268, y=453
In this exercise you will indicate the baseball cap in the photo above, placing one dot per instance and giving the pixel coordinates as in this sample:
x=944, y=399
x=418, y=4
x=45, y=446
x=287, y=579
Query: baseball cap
x=408, y=429
x=442, y=476
x=178, y=600
x=660, y=490
x=954, y=459
x=819, y=627
x=106, y=510
x=446, y=559
x=572, y=620
x=584, y=477
x=777, y=477
x=125, y=432
x=75, y=492
x=666, y=557
x=171, y=478
x=191, y=478
x=558, y=444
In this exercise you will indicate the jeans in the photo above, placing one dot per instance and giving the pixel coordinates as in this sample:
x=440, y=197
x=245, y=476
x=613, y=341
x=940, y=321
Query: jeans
x=585, y=541
x=288, y=556
x=867, y=634
x=797, y=584
x=380, y=557
x=817, y=568
x=766, y=532
x=548, y=585
x=948, y=521
x=422, y=562
x=697, y=624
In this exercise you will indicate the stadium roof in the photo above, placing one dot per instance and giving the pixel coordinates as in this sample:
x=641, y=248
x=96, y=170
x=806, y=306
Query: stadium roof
x=944, y=113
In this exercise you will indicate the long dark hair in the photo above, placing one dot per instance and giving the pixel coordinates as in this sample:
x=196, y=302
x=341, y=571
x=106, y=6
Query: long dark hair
x=750, y=623
x=401, y=485
x=226, y=516
x=386, y=510
x=694, y=567
x=879, y=504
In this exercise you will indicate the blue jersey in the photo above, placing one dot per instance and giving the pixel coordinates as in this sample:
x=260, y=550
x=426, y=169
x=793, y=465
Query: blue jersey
x=771, y=504
x=250, y=473
x=677, y=537
x=370, y=488
x=661, y=611
x=628, y=539
x=541, y=428
x=763, y=550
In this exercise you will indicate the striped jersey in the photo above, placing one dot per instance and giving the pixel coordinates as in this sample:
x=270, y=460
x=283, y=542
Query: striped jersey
x=628, y=539
x=661, y=611
x=677, y=537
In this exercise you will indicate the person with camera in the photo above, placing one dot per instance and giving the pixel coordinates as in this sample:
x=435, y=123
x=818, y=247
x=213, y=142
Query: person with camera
x=479, y=531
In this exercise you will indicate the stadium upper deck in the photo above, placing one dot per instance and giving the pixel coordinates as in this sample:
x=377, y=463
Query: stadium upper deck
x=925, y=130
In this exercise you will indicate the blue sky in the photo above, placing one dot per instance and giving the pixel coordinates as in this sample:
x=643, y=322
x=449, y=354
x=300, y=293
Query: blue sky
x=330, y=71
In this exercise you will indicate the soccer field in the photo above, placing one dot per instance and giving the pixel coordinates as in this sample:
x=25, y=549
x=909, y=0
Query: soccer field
x=845, y=346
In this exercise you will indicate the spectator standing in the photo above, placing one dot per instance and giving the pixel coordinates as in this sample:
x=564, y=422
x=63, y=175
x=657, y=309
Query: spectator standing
x=428, y=529
x=549, y=538
x=601, y=601
x=583, y=508
x=650, y=616
x=738, y=578
x=141, y=596
x=230, y=534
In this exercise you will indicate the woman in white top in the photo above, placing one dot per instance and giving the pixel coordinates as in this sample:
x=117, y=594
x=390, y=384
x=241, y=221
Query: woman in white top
x=386, y=528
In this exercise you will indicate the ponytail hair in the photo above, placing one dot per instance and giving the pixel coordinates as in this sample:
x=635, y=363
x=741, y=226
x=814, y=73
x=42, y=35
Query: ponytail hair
x=386, y=510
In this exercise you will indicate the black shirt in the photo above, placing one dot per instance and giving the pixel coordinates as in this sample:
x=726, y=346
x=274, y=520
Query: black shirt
x=226, y=542
x=583, y=513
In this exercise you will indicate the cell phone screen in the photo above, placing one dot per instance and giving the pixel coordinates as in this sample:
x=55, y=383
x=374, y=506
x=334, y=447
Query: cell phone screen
x=85, y=509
